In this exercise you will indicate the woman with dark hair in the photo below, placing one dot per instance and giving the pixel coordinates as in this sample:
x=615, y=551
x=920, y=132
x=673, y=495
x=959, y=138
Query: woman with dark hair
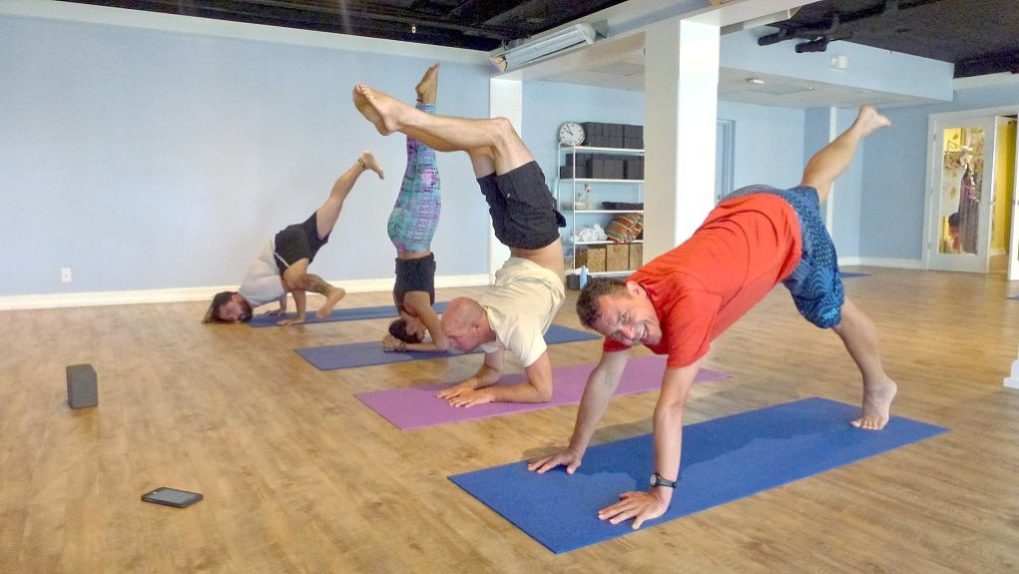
x=411, y=227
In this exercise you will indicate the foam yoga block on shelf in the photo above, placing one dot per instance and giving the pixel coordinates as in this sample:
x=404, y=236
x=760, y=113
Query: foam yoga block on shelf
x=724, y=460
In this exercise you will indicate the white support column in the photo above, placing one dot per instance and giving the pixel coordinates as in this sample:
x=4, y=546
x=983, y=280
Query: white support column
x=506, y=99
x=681, y=110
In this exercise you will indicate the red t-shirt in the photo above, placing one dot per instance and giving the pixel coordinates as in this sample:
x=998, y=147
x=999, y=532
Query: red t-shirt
x=745, y=247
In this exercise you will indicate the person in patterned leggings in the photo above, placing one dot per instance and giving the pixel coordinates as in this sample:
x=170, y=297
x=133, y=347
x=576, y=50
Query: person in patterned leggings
x=411, y=227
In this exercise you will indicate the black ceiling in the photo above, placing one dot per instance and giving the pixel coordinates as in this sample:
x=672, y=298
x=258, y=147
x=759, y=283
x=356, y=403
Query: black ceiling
x=472, y=24
x=978, y=36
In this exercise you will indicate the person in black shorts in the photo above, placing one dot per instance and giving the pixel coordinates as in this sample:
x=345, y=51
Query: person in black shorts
x=282, y=266
x=528, y=291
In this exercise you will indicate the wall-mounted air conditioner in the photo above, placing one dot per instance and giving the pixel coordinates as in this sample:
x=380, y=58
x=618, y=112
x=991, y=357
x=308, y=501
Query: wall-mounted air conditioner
x=536, y=48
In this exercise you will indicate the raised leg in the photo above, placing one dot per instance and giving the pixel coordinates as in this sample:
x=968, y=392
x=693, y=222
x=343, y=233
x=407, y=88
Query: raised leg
x=415, y=215
x=427, y=94
x=428, y=88
x=330, y=210
x=826, y=165
x=297, y=278
x=860, y=338
x=439, y=132
x=483, y=161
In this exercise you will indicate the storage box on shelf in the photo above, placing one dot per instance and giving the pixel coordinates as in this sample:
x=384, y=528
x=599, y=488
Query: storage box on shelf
x=590, y=256
x=617, y=257
x=636, y=255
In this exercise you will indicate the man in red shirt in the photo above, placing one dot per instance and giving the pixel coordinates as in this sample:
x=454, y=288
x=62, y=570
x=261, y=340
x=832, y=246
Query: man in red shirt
x=682, y=300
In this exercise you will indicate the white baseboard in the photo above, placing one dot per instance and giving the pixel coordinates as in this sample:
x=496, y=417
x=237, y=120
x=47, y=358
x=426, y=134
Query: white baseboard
x=881, y=262
x=103, y=298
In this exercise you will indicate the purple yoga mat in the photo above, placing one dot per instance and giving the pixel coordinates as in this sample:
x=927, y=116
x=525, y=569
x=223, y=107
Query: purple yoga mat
x=418, y=407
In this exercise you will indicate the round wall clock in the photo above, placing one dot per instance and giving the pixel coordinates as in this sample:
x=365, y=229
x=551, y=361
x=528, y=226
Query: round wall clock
x=571, y=133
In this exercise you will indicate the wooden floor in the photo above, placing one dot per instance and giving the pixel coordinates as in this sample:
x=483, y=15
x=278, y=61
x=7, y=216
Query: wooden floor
x=299, y=476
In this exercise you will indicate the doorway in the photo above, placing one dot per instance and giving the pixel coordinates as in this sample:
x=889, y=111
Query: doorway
x=971, y=192
x=1004, y=197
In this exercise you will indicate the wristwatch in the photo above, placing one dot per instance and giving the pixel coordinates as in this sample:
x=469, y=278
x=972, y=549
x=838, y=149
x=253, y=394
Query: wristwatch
x=657, y=480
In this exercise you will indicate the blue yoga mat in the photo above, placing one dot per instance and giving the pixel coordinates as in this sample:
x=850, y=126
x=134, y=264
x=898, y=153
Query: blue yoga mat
x=723, y=460
x=348, y=314
x=352, y=355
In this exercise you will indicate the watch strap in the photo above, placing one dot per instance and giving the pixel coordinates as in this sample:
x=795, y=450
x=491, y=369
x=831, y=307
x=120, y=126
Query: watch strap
x=657, y=480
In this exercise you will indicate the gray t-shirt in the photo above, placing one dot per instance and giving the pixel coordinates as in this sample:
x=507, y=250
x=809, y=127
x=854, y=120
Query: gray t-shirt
x=263, y=284
x=521, y=306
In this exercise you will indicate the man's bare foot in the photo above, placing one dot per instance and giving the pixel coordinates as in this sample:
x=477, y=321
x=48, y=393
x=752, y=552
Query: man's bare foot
x=877, y=402
x=368, y=161
x=332, y=299
x=869, y=120
x=379, y=108
x=428, y=88
x=364, y=106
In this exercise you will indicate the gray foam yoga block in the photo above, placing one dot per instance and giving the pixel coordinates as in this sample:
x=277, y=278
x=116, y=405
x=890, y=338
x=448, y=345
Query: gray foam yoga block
x=82, y=386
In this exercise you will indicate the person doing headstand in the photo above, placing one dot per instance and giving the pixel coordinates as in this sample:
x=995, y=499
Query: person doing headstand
x=411, y=227
x=282, y=266
x=515, y=313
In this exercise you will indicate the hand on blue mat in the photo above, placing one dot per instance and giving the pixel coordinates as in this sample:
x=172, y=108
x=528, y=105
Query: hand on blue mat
x=289, y=322
x=640, y=506
x=566, y=457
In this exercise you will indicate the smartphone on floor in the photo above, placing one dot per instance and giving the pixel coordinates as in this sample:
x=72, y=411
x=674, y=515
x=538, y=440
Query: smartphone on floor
x=172, y=497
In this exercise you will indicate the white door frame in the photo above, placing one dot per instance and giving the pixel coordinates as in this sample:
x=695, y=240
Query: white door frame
x=726, y=140
x=1013, y=241
x=932, y=178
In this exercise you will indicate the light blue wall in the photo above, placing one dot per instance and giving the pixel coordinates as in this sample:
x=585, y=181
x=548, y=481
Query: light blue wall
x=848, y=193
x=146, y=159
x=768, y=145
x=547, y=105
x=892, y=218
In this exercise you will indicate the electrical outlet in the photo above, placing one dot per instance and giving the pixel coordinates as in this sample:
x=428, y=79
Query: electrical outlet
x=65, y=274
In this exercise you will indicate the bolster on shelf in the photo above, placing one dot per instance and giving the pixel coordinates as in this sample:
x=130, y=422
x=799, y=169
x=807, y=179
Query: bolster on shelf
x=625, y=227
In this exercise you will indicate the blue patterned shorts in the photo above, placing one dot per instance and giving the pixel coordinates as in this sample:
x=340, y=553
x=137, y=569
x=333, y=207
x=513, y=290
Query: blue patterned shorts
x=815, y=284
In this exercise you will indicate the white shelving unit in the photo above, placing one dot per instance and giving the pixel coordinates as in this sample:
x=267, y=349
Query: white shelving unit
x=566, y=191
